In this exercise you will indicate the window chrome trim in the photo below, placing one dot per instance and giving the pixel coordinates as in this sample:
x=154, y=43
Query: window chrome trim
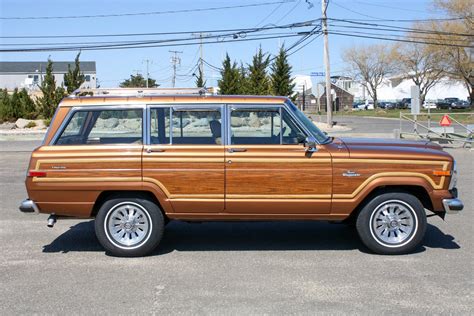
x=237, y=106
x=185, y=107
x=73, y=110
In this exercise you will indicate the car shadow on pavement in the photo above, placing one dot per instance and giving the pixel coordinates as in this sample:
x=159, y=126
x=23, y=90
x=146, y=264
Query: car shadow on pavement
x=244, y=236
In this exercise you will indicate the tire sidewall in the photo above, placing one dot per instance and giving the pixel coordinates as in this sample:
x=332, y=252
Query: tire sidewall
x=155, y=233
x=364, y=223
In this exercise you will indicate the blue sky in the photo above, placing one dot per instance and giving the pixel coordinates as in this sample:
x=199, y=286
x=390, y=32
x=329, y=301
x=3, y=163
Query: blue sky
x=115, y=65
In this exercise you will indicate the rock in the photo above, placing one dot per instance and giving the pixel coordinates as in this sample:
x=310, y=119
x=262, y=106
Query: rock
x=236, y=121
x=131, y=124
x=39, y=124
x=21, y=123
x=7, y=126
x=111, y=122
x=254, y=120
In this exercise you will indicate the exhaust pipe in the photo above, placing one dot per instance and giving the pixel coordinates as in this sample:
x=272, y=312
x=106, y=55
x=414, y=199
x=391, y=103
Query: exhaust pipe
x=51, y=220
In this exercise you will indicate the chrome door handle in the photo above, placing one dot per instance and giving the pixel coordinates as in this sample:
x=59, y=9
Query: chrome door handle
x=155, y=150
x=235, y=150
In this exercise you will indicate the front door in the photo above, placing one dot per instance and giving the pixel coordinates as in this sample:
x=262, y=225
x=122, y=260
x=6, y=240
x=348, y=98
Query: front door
x=268, y=170
x=185, y=157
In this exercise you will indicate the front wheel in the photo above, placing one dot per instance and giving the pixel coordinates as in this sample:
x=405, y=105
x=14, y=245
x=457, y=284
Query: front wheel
x=392, y=223
x=129, y=227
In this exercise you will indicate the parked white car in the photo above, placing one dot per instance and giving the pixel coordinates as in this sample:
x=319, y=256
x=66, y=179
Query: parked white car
x=429, y=105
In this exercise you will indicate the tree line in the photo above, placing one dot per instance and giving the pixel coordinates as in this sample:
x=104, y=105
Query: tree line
x=425, y=63
x=261, y=77
x=20, y=104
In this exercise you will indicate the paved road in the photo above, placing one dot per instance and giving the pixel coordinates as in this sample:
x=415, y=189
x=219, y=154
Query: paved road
x=229, y=268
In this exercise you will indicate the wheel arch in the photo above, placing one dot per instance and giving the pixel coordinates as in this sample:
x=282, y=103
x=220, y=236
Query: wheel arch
x=419, y=191
x=143, y=194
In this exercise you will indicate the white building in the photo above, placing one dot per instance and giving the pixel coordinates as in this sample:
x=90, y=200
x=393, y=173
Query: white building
x=30, y=74
x=398, y=87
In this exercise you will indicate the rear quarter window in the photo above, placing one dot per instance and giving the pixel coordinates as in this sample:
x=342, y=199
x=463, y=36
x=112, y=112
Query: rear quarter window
x=91, y=127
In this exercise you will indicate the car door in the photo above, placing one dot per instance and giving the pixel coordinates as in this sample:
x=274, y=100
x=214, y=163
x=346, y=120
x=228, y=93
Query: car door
x=268, y=169
x=184, y=156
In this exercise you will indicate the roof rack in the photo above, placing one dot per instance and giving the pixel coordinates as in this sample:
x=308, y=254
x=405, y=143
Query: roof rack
x=141, y=92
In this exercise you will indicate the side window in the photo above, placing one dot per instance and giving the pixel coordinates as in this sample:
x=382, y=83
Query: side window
x=264, y=126
x=188, y=127
x=103, y=127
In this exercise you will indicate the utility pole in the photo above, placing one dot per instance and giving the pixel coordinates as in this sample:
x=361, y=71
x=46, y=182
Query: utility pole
x=201, y=53
x=324, y=21
x=175, y=60
x=147, y=73
x=304, y=98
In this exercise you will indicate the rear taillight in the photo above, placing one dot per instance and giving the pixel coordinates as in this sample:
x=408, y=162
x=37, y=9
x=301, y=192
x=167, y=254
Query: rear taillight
x=36, y=173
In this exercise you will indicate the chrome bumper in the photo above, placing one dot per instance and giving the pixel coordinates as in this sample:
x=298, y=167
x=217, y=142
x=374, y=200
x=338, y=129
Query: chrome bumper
x=452, y=206
x=28, y=206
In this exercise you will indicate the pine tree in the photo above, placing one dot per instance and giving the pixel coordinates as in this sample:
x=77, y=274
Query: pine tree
x=259, y=82
x=244, y=80
x=6, y=110
x=52, y=95
x=138, y=82
x=200, y=82
x=74, y=77
x=27, y=105
x=230, y=77
x=16, y=106
x=282, y=83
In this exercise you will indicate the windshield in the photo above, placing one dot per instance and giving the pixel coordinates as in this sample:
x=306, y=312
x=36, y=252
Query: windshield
x=316, y=132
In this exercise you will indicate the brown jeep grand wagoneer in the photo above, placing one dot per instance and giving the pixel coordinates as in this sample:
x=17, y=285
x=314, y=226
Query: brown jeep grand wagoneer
x=136, y=159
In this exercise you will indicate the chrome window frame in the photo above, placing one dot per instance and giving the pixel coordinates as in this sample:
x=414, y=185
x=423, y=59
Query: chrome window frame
x=174, y=107
x=109, y=107
x=231, y=106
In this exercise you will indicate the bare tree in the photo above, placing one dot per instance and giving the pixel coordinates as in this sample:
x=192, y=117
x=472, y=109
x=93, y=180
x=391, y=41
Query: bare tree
x=422, y=64
x=457, y=36
x=371, y=64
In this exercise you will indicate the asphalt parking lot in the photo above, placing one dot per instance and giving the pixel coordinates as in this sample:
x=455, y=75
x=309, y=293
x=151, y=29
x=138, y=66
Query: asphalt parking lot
x=229, y=268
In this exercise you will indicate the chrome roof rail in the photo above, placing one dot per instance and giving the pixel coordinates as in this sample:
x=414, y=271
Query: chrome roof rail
x=141, y=92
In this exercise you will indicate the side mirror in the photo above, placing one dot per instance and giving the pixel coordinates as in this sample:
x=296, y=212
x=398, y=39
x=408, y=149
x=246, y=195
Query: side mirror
x=310, y=144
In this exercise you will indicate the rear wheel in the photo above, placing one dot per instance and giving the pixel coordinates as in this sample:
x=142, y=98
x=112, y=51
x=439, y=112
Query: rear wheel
x=129, y=227
x=392, y=223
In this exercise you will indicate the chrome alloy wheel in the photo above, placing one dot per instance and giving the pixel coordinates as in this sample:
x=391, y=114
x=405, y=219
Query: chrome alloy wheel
x=393, y=223
x=128, y=225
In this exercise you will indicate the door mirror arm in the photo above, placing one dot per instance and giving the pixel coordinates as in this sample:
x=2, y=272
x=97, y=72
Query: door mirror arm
x=310, y=143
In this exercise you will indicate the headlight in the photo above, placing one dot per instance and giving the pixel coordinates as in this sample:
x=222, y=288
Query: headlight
x=454, y=176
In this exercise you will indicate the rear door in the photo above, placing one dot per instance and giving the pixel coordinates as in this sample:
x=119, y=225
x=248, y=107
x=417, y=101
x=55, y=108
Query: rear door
x=184, y=156
x=268, y=170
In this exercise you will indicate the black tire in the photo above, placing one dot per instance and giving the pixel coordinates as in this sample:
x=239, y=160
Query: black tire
x=379, y=216
x=148, y=212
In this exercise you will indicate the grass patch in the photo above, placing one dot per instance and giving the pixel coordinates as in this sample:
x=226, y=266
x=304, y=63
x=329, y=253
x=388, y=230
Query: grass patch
x=30, y=124
x=463, y=116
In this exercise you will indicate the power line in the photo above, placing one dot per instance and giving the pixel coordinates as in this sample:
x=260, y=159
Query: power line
x=145, y=13
x=390, y=7
x=395, y=20
x=423, y=38
x=270, y=14
x=353, y=11
x=401, y=40
x=405, y=30
x=241, y=30
x=394, y=27
x=289, y=11
x=162, y=43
